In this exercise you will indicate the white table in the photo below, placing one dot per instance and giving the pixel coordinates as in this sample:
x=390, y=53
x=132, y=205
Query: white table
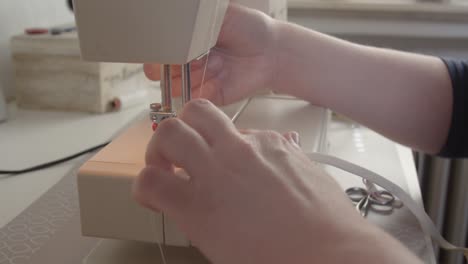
x=32, y=137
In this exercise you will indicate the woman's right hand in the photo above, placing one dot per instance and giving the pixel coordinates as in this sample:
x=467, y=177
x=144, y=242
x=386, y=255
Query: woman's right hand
x=253, y=196
x=242, y=62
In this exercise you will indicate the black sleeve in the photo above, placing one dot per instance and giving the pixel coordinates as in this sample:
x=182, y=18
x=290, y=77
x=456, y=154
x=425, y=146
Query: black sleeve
x=456, y=145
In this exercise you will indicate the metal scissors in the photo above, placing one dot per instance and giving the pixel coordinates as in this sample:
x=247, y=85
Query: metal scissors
x=370, y=198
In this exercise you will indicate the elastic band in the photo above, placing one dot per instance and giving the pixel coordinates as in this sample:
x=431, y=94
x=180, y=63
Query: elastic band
x=424, y=220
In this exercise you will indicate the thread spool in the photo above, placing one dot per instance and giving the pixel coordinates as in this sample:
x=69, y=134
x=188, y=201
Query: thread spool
x=128, y=100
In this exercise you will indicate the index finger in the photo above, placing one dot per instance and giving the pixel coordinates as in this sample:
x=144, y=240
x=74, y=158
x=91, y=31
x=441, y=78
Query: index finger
x=152, y=71
x=209, y=121
x=176, y=144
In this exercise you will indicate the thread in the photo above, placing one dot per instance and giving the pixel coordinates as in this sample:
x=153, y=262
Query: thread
x=201, y=89
x=208, y=54
x=162, y=253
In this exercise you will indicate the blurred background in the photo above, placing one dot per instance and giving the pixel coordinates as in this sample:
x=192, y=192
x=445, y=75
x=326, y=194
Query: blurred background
x=15, y=17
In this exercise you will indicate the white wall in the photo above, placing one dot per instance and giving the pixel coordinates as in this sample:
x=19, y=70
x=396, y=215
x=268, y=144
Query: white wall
x=15, y=16
x=442, y=36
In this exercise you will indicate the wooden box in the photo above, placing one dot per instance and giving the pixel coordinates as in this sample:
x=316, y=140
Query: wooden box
x=50, y=75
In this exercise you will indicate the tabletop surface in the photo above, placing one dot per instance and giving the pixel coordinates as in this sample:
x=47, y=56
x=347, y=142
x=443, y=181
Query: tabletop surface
x=31, y=137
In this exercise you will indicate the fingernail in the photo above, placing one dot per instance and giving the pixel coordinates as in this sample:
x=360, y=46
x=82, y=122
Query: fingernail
x=148, y=69
x=198, y=101
x=295, y=137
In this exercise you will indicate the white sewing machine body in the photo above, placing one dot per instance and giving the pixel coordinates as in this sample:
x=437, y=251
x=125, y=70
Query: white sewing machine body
x=116, y=31
x=277, y=9
x=105, y=181
x=166, y=32
x=169, y=32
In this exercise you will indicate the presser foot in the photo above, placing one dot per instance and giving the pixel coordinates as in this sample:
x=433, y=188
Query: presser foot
x=158, y=114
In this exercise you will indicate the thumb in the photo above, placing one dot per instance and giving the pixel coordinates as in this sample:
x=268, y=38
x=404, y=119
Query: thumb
x=161, y=190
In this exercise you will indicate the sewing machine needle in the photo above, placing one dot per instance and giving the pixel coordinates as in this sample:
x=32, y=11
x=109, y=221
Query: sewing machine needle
x=166, y=88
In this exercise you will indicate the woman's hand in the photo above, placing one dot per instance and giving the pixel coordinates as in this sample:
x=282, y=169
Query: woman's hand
x=253, y=197
x=242, y=62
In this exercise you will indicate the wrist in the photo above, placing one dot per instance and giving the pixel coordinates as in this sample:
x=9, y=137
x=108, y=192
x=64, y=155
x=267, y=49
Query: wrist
x=275, y=54
x=294, y=59
x=370, y=242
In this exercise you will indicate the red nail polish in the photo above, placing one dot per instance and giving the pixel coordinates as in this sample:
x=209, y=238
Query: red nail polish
x=154, y=126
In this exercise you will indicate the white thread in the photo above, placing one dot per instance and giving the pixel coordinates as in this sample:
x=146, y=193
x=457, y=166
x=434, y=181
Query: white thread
x=85, y=259
x=208, y=53
x=154, y=228
x=424, y=220
x=201, y=90
x=155, y=234
x=162, y=253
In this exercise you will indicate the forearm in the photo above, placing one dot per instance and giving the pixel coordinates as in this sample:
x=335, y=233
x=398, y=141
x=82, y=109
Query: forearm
x=354, y=240
x=404, y=96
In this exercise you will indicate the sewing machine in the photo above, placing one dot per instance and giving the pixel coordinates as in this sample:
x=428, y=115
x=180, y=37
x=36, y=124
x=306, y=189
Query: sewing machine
x=169, y=32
